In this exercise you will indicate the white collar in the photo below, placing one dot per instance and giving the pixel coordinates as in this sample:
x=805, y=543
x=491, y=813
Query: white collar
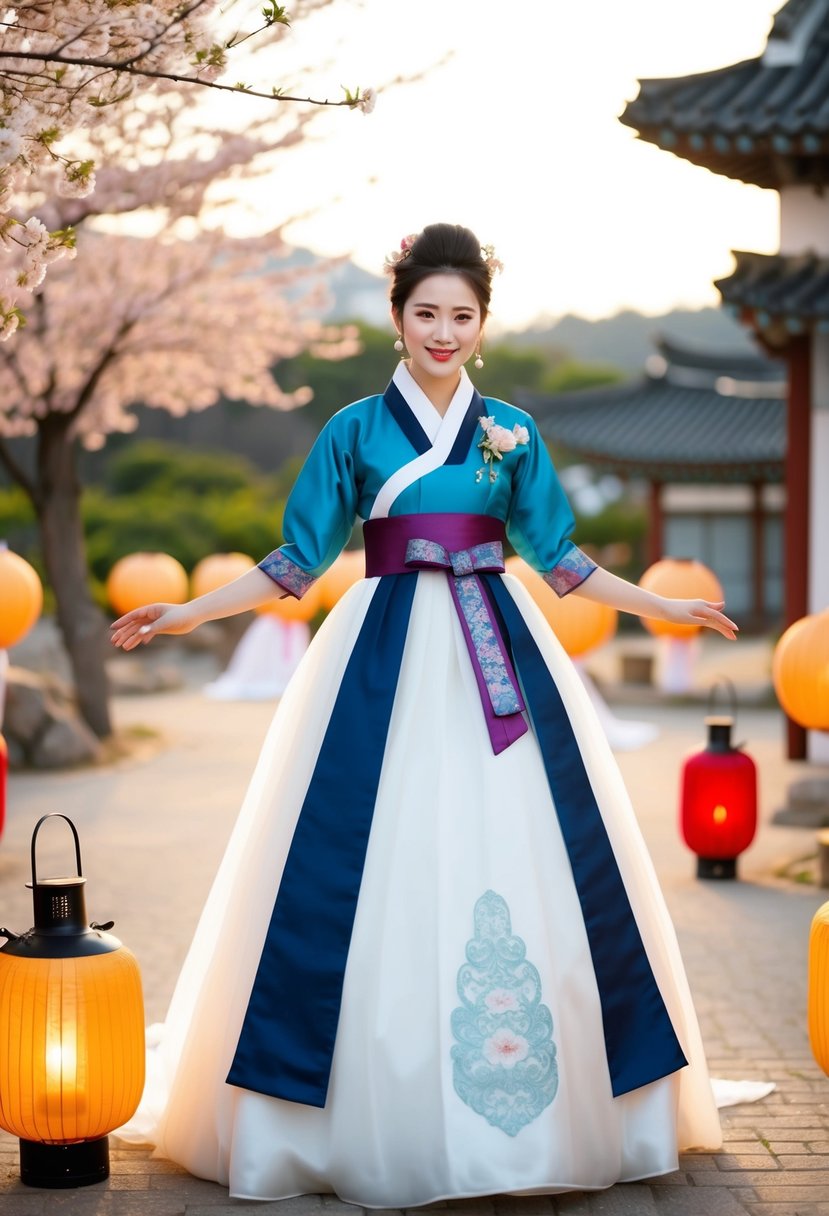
x=423, y=409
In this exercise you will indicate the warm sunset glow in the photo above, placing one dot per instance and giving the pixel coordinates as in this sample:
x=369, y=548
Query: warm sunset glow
x=510, y=123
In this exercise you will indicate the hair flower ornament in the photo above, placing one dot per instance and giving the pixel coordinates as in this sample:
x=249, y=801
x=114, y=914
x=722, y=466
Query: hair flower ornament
x=397, y=255
x=495, y=265
x=392, y=260
x=496, y=441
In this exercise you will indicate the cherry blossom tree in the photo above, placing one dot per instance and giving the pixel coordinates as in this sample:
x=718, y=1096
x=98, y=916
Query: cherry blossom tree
x=173, y=321
x=173, y=324
x=66, y=67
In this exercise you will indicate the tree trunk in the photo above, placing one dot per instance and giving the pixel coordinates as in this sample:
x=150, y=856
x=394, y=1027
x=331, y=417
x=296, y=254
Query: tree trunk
x=64, y=554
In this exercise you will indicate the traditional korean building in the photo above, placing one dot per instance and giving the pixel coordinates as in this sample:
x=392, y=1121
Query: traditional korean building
x=705, y=432
x=766, y=121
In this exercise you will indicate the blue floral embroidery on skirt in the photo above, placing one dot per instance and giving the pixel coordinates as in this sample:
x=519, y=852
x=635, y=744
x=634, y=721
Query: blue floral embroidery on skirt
x=504, y=1059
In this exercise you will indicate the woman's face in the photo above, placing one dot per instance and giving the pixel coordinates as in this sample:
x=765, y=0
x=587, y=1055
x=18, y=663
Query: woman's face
x=441, y=325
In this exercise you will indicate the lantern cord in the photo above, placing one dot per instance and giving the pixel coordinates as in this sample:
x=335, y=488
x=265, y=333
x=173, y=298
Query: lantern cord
x=731, y=692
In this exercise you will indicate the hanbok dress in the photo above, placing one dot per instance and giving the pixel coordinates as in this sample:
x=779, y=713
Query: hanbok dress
x=435, y=961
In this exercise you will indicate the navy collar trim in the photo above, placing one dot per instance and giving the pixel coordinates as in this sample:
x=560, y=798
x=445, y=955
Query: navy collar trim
x=417, y=437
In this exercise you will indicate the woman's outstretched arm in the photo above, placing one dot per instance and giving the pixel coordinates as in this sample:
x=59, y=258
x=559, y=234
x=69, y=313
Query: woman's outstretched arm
x=607, y=588
x=140, y=626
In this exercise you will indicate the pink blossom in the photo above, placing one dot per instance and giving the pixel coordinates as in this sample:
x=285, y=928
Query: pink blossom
x=367, y=100
x=501, y=439
x=522, y=435
x=500, y=1000
x=505, y=1048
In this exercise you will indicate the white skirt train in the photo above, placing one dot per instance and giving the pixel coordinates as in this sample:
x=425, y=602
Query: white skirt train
x=452, y=822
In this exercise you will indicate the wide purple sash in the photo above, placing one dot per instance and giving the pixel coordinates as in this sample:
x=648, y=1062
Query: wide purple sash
x=461, y=547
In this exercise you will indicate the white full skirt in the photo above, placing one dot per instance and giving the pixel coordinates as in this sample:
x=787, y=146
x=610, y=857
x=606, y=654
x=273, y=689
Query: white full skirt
x=452, y=821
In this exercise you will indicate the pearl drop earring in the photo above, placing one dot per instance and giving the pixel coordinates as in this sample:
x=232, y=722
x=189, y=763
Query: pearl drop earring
x=398, y=346
x=478, y=360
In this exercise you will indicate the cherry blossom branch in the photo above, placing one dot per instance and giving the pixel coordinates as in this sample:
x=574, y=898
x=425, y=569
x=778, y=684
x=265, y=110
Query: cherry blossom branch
x=71, y=69
x=360, y=99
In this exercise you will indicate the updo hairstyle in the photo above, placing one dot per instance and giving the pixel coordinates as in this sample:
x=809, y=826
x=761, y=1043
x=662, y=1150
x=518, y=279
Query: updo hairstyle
x=441, y=248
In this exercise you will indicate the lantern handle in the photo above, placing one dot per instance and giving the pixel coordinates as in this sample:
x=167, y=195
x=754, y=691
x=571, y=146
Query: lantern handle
x=731, y=693
x=38, y=826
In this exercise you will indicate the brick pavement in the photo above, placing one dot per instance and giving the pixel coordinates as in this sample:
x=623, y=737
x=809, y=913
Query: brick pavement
x=744, y=944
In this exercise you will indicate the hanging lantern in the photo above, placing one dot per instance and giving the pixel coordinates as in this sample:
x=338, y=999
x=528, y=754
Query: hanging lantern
x=579, y=624
x=72, y=1047
x=144, y=578
x=819, y=987
x=218, y=570
x=718, y=809
x=347, y=570
x=800, y=671
x=22, y=597
x=679, y=578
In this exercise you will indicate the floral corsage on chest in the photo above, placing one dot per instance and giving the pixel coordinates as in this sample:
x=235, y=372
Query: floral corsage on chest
x=496, y=441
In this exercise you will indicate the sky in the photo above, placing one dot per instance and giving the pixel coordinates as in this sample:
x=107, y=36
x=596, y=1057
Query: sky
x=510, y=127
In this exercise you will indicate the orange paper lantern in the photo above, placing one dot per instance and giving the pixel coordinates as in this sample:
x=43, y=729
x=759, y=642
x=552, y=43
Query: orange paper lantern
x=818, y=1000
x=22, y=598
x=579, y=624
x=680, y=578
x=72, y=1048
x=291, y=609
x=218, y=570
x=347, y=570
x=800, y=671
x=144, y=578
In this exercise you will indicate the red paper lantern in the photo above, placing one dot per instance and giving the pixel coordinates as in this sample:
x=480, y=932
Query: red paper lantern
x=719, y=802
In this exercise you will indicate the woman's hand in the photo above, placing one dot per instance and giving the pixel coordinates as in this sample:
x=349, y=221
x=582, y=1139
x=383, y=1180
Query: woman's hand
x=699, y=612
x=140, y=626
x=605, y=588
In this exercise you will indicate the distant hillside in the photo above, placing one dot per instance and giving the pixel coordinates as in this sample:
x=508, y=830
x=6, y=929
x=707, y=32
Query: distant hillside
x=626, y=339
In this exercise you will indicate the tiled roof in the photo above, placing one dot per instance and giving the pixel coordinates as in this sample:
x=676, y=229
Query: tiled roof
x=745, y=366
x=787, y=292
x=764, y=120
x=701, y=418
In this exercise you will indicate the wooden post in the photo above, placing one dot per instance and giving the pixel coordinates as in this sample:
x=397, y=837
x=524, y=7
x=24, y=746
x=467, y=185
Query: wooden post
x=758, y=544
x=796, y=526
x=656, y=524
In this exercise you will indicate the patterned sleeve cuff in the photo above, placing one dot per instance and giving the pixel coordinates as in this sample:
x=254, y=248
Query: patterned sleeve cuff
x=287, y=574
x=572, y=570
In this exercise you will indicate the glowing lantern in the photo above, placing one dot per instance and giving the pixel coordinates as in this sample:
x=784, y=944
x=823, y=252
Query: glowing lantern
x=22, y=597
x=72, y=1047
x=290, y=609
x=579, y=624
x=800, y=670
x=819, y=987
x=347, y=570
x=679, y=578
x=719, y=802
x=218, y=570
x=144, y=578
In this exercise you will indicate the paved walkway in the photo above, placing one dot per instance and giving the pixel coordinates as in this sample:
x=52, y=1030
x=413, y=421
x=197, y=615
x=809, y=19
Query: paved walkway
x=152, y=830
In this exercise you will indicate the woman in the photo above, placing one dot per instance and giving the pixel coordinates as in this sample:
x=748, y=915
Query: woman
x=435, y=961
